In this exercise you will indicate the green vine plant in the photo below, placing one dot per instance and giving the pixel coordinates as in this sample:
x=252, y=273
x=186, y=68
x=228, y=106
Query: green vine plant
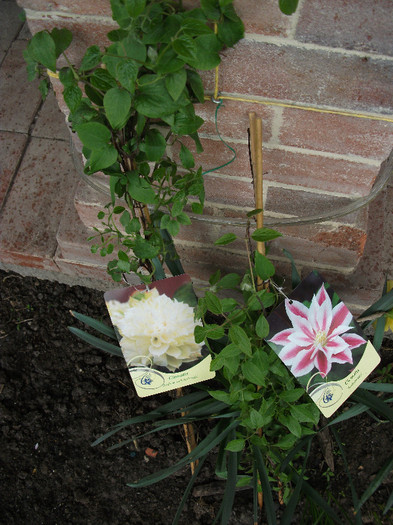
x=127, y=104
x=131, y=101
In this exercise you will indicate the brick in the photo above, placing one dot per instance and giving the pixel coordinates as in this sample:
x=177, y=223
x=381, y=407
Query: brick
x=233, y=119
x=366, y=26
x=336, y=133
x=19, y=99
x=87, y=7
x=308, y=76
x=72, y=238
x=324, y=173
x=35, y=204
x=11, y=149
x=316, y=254
x=10, y=23
x=50, y=121
x=309, y=204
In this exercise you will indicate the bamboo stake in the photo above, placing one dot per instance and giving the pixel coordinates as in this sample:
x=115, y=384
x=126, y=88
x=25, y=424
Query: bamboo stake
x=189, y=434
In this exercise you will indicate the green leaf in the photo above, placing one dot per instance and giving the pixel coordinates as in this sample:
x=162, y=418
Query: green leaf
x=265, y=234
x=102, y=158
x=140, y=189
x=211, y=9
x=102, y=79
x=133, y=48
x=135, y=7
x=186, y=157
x=171, y=225
x=43, y=49
x=263, y=266
x=230, y=488
x=230, y=30
x=44, y=88
x=288, y=7
x=185, y=48
x=93, y=135
x=152, y=98
x=209, y=331
x=62, y=39
x=291, y=395
x=96, y=342
x=143, y=249
x=175, y=83
x=72, y=97
x=240, y=338
x=294, y=273
x=117, y=103
x=266, y=489
x=186, y=122
x=256, y=368
x=213, y=303
x=91, y=59
x=257, y=420
x=225, y=239
x=373, y=402
x=231, y=280
x=196, y=85
x=236, y=445
x=220, y=396
x=207, y=48
x=95, y=324
x=262, y=327
x=307, y=413
x=381, y=475
x=291, y=423
x=127, y=73
x=154, y=145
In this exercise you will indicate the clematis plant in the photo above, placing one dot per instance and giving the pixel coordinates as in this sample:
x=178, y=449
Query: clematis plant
x=127, y=103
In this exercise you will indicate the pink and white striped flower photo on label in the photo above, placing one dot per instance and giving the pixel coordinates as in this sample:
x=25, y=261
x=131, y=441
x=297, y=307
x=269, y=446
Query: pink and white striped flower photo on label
x=316, y=337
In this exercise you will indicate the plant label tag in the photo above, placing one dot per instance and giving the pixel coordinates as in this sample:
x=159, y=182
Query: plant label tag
x=155, y=327
x=315, y=336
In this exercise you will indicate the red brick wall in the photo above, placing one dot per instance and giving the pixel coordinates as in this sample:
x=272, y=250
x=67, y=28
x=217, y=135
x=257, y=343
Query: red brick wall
x=330, y=57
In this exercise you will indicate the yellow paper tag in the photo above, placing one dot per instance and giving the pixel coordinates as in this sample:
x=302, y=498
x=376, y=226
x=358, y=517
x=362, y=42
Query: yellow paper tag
x=330, y=396
x=148, y=381
x=51, y=74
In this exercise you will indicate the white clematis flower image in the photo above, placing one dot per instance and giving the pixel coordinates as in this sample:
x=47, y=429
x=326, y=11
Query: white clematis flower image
x=156, y=329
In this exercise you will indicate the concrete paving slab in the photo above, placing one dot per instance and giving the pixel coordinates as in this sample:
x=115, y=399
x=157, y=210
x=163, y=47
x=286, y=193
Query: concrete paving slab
x=19, y=99
x=35, y=205
x=50, y=121
x=11, y=150
x=10, y=22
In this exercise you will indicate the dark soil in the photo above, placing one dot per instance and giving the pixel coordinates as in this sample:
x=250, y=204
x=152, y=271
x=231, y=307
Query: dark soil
x=57, y=395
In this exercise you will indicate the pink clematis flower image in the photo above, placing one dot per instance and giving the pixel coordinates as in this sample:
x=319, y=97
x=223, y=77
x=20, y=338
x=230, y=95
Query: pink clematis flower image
x=320, y=335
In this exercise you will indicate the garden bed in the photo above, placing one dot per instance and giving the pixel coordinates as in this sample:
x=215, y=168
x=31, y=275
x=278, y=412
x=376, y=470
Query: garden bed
x=58, y=395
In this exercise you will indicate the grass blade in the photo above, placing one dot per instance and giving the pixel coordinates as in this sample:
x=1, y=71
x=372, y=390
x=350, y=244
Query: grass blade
x=355, y=498
x=266, y=489
x=287, y=517
x=230, y=486
x=388, y=505
x=188, y=490
x=384, y=471
x=295, y=274
x=377, y=387
x=96, y=342
x=210, y=441
x=373, y=402
x=97, y=325
x=354, y=411
x=255, y=492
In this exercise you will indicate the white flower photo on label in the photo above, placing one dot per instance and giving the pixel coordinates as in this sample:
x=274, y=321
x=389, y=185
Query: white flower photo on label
x=156, y=330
